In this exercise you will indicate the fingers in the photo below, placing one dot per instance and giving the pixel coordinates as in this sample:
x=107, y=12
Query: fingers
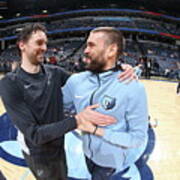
x=131, y=78
x=127, y=74
x=84, y=125
x=126, y=66
x=95, y=117
x=94, y=106
x=128, y=80
x=101, y=119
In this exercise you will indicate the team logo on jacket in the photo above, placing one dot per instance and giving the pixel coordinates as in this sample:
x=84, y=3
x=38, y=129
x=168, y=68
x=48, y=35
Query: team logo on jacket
x=108, y=102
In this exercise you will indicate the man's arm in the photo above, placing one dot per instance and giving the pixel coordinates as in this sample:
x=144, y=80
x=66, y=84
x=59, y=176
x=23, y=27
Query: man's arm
x=62, y=73
x=24, y=120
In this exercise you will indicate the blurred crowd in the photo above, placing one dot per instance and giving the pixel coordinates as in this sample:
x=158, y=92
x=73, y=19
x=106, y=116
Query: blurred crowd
x=150, y=58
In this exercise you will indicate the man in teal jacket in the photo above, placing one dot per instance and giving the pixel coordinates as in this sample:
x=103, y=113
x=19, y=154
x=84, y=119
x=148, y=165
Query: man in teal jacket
x=114, y=148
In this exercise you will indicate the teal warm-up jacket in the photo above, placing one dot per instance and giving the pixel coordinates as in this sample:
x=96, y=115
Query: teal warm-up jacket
x=123, y=142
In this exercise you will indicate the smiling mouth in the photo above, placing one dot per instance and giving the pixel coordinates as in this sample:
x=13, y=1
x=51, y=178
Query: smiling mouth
x=40, y=55
x=86, y=59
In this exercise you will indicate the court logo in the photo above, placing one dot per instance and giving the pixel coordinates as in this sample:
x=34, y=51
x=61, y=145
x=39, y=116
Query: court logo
x=9, y=147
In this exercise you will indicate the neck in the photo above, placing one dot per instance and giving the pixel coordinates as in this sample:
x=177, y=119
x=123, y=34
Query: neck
x=29, y=67
x=109, y=65
x=107, y=68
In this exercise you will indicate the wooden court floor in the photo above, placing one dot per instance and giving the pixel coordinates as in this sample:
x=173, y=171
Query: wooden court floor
x=164, y=107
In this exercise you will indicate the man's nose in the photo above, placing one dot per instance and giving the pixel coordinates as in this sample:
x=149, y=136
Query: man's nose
x=86, y=50
x=44, y=47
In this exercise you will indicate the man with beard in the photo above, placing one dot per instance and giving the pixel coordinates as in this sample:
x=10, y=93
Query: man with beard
x=33, y=100
x=113, y=149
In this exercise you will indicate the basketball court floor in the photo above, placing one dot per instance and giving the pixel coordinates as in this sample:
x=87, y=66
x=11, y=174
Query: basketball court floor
x=162, y=156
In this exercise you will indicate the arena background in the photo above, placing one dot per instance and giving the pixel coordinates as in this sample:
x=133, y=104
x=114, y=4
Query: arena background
x=152, y=32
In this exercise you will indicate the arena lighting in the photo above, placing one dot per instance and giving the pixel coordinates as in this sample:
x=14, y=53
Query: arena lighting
x=44, y=11
x=84, y=7
x=18, y=14
x=18, y=29
x=1, y=17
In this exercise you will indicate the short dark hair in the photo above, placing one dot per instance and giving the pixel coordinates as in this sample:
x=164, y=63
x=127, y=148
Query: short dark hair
x=27, y=31
x=114, y=36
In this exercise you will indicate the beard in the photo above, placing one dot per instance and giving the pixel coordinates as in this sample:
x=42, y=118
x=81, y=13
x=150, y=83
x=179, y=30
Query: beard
x=37, y=60
x=94, y=65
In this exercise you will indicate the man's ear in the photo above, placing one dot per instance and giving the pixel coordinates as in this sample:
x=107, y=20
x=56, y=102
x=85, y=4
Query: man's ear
x=20, y=45
x=113, y=50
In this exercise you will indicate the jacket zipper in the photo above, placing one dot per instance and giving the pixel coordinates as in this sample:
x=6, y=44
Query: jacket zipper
x=92, y=96
x=91, y=103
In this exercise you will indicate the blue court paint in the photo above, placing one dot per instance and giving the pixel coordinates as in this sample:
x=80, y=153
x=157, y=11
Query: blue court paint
x=9, y=148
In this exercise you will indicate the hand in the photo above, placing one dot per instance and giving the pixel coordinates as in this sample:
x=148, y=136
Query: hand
x=128, y=74
x=85, y=126
x=96, y=118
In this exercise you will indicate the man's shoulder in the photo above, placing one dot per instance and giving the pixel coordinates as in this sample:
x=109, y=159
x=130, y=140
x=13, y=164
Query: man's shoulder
x=135, y=89
x=136, y=84
x=10, y=76
x=49, y=67
x=52, y=67
x=80, y=75
x=8, y=82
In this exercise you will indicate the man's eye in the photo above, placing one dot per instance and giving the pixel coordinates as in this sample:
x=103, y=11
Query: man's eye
x=40, y=43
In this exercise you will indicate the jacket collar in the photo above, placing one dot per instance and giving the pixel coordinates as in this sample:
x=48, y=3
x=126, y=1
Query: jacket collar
x=104, y=76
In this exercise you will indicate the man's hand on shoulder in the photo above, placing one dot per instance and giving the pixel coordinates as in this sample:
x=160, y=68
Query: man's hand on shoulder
x=128, y=74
